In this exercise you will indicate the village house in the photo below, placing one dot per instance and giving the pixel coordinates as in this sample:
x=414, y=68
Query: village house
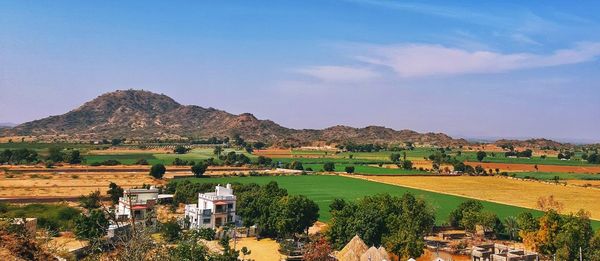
x=497, y=252
x=137, y=205
x=357, y=250
x=213, y=210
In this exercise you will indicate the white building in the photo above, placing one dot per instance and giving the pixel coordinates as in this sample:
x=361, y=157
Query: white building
x=214, y=209
x=140, y=203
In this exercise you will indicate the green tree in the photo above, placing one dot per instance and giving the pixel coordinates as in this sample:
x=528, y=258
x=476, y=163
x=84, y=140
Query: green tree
x=295, y=214
x=512, y=227
x=157, y=171
x=180, y=149
x=218, y=150
x=171, y=231
x=594, y=250
x=395, y=157
x=349, y=169
x=456, y=216
x=92, y=226
x=189, y=249
x=115, y=192
x=296, y=165
x=481, y=155
x=55, y=154
x=407, y=164
x=575, y=233
x=329, y=166
x=73, y=157
x=199, y=168
x=91, y=201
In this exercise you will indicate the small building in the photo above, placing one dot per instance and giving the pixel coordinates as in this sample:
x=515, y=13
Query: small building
x=138, y=205
x=213, y=210
x=497, y=252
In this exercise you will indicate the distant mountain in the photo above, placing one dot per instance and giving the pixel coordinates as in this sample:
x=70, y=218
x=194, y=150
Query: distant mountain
x=5, y=125
x=136, y=114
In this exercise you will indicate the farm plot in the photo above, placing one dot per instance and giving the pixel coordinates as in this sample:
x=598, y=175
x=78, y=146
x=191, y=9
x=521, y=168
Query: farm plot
x=589, y=169
x=324, y=188
x=504, y=190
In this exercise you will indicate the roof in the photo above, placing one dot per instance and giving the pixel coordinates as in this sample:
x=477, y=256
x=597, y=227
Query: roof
x=353, y=250
x=375, y=254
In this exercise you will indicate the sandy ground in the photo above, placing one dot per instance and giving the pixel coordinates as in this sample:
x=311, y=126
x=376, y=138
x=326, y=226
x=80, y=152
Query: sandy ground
x=265, y=249
x=503, y=190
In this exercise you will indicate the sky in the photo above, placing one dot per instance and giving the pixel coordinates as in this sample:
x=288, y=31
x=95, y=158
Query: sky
x=466, y=68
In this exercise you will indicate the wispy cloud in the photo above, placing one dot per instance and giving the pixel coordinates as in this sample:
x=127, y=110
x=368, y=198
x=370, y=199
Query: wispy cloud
x=339, y=73
x=422, y=60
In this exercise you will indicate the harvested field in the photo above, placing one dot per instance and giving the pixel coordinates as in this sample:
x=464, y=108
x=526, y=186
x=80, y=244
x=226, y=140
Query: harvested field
x=73, y=181
x=503, y=190
x=590, y=169
x=264, y=249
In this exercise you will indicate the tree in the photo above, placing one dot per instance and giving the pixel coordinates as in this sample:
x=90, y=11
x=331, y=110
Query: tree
x=189, y=249
x=456, y=216
x=481, y=155
x=199, y=168
x=157, y=171
x=395, y=157
x=73, y=157
x=349, y=169
x=90, y=201
x=594, y=249
x=318, y=250
x=180, y=149
x=259, y=145
x=329, y=166
x=55, y=154
x=92, y=226
x=407, y=164
x=575, y=233
x=115, y=192
x=296, y=165
x=295, y=214
x=337, y=204
x=217, y=151
x=171, y=231
x=245, y=251
x=512, y=227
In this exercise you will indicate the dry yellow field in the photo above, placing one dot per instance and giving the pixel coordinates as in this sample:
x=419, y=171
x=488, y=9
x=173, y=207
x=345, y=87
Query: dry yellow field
x=504, y=190
x=264, y=249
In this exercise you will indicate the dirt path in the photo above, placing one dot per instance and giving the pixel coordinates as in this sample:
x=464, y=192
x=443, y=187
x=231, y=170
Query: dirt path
x=503, y=190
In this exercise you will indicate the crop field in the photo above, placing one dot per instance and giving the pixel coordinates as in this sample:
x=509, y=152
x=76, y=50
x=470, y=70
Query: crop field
x=560, y=175
x=589, y=169
x=166, y=157
x=504, y=190
x=500, y=158
x=324, y=188
x=368, y=169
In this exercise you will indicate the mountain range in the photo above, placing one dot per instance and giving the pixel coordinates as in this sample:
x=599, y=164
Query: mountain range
x=143, y=115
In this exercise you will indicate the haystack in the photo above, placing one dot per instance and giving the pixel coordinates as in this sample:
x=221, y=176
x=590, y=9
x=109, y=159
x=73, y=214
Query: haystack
x=374, y=254
x=353, y=250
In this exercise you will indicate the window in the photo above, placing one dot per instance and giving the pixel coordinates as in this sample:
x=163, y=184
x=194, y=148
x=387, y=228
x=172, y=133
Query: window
x=230, y=206
x=206, y=221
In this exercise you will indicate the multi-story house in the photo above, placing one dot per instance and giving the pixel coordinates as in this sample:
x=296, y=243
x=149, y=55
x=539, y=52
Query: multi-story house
x=138, y=205
x=213, y=210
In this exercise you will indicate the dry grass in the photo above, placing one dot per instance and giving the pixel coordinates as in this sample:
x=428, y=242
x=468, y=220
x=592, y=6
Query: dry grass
x=264, y=249
x=504, y=190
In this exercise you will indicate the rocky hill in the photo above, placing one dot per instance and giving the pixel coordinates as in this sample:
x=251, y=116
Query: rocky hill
x=138, y=114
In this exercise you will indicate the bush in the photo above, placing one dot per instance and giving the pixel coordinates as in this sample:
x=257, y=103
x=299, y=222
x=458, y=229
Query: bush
x=329, y=166
x=158, y=171
x=171, y=231
x=349, y=169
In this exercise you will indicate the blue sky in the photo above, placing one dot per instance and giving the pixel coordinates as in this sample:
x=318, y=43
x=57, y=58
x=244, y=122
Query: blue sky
x=469, y=69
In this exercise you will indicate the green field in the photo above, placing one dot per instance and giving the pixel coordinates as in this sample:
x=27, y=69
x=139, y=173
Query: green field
x=324, y=188
x=154, y=158
x=369, y=170
x=551, y=175
x=500, y=158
